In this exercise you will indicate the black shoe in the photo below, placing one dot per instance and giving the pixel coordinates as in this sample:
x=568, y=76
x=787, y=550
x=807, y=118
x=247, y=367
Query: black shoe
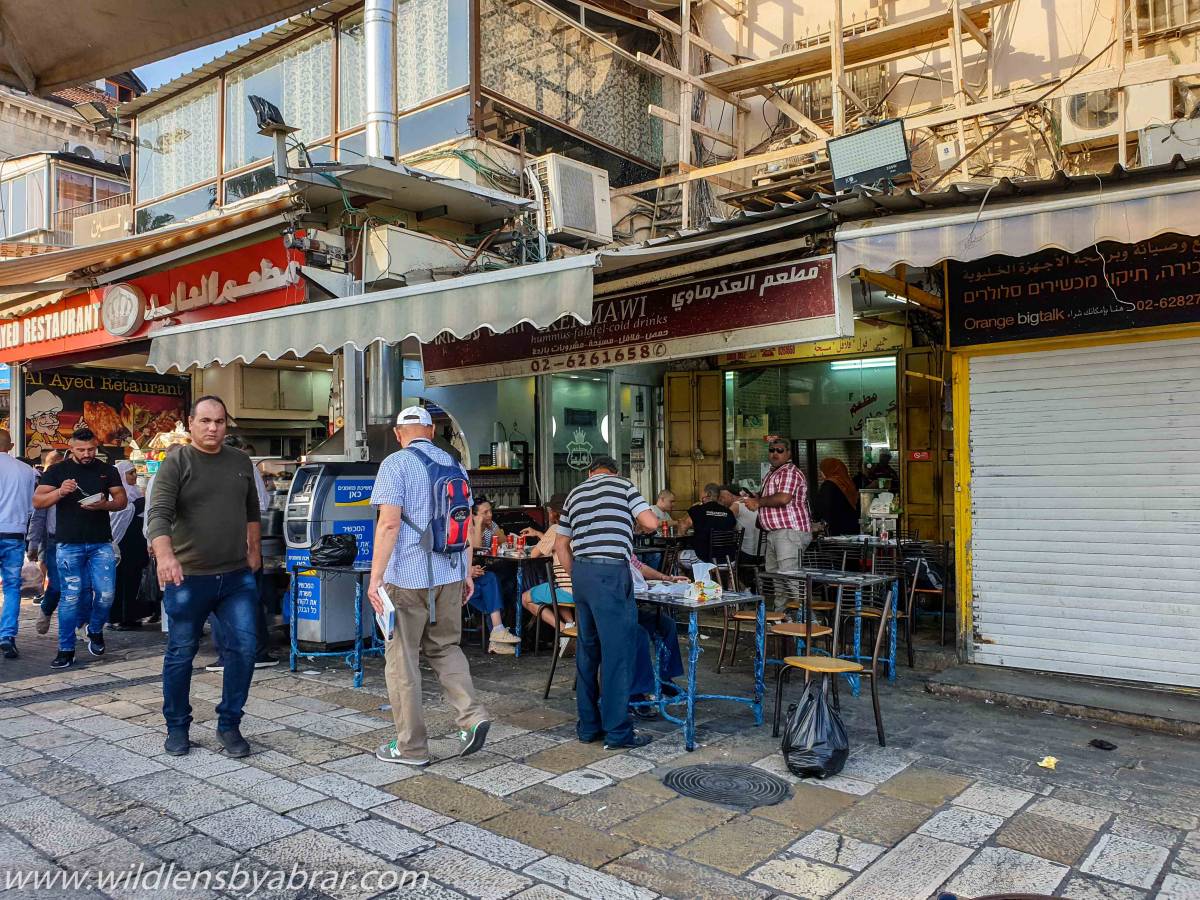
x=64, y=660
x=9, y=648
x=646, y=713
x=266, y=661
x=95, y=642
x=671, y=689
x=126, y=626
x=589, y=740
x=177, y=743
x=637, y=739
x=235, y=745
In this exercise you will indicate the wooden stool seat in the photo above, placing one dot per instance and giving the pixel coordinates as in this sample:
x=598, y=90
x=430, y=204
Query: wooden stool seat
x=825, y=665
x=823, y=605
x=799, y=630
x=753, y=616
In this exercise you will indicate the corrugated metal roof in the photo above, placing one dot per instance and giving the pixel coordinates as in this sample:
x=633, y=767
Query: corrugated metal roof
x=322, y=15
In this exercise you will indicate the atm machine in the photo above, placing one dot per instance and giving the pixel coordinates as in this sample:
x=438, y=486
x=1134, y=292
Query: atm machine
x=328, y=498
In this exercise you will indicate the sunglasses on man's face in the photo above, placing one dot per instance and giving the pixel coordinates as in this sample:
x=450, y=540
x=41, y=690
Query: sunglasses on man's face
x=777, y=450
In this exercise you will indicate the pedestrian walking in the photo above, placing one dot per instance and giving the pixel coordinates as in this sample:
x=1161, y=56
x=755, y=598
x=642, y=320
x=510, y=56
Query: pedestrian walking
x=205, y=533
x=262, y=645
x=17, y=484
x=43, y=549
x=782, y=507
x=422, y=561
x=87, y=562
x=595, y=544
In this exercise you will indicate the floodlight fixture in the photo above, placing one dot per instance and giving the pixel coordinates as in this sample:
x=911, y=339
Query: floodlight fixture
x=869, y=155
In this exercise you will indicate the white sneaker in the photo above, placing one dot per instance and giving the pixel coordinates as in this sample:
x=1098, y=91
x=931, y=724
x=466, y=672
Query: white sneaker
x=501, y=635
x=501, y=649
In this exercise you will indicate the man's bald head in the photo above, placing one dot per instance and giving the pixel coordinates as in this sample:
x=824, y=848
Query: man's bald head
x=406, y=434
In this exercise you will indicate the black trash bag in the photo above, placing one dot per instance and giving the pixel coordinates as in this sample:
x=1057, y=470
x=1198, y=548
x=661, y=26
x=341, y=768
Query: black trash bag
x=929, y=574
x=333, y=550
x=814, y=742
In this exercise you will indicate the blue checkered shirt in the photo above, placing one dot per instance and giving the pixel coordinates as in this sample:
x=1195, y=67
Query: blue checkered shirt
x=403, y=481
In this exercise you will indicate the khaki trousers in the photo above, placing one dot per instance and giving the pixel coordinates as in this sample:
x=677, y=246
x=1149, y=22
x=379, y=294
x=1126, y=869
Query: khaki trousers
x=439, y=642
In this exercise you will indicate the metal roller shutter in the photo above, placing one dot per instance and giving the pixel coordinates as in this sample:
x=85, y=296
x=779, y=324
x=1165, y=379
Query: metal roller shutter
x=1085, y=497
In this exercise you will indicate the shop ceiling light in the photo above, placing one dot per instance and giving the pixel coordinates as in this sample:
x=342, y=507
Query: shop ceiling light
x=869, y=155
x=876, y=362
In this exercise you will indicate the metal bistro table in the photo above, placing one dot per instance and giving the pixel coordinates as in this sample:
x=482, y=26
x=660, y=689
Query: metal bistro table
x=689, y=697
x=857, y=582
x=353, y=657
x=521, y=560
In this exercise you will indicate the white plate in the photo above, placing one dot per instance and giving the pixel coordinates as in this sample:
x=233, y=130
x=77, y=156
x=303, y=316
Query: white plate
x=89, y=500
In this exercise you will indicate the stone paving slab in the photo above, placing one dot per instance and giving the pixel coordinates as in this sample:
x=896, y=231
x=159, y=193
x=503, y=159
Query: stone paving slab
x=999, y=870
x=912, y=870
x=1047, y=838
x=672, y=877
x=586, y=883
x=739, y=844
x=837, y=850
x=472, y=876
x=673, y=823
x=1125, y=860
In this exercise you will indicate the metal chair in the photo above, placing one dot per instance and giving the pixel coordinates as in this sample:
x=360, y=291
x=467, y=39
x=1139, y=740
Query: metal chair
x=792, y=593
x=737, y=617
x=876, y=604
x=931, y=557
x=892, y=565
x=555, y=602
x=723, y=547
x=561, y=631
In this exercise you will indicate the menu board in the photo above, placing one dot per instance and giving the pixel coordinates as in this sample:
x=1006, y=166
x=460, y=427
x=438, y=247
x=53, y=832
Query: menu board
x=116, y=406
x=1110, y=287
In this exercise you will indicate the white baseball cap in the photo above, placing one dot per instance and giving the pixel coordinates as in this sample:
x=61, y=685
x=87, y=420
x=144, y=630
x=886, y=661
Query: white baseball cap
x=414, y=415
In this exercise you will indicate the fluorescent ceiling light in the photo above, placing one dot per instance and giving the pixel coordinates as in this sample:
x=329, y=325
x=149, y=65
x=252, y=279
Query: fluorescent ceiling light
x=877, y=362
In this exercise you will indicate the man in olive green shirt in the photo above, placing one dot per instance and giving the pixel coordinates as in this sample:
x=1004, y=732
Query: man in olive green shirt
x=203, y=525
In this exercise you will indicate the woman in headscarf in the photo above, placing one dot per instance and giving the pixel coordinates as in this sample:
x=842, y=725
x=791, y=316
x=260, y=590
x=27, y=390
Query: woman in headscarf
x=130, y=541
x=837, y=498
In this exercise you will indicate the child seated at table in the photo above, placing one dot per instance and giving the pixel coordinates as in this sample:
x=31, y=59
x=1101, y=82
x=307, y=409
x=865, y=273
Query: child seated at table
x=536, y=600
x=654, y=622
x=488, y=598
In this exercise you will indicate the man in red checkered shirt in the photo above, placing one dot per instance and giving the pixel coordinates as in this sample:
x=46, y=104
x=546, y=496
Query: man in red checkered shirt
x=783, y=509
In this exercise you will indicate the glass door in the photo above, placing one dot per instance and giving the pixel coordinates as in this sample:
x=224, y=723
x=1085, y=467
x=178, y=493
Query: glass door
x=579, y=426
x=636, y=438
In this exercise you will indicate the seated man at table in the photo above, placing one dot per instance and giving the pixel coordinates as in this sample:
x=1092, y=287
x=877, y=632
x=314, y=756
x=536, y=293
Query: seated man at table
x=704, y=518
x=655, y=622
x=537, y=599
x=488, y=597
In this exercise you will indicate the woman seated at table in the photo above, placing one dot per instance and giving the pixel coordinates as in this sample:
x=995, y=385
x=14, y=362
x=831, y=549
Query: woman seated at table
x=488, y=598
x=654, y=621
x=537, y=600
x=837, y=499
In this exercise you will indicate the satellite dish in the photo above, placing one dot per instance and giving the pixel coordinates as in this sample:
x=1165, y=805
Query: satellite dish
x=85, y=152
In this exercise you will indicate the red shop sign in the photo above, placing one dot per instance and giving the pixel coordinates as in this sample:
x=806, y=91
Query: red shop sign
x=919, y=455
x=250, y=279
x=783, y=303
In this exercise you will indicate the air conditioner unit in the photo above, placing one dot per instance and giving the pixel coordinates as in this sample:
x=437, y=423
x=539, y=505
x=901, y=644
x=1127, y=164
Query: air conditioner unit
x=1092, y=117
x=575, y=201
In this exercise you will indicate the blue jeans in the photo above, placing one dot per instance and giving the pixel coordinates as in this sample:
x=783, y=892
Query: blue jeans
x=608, y=632
x=655, y=622
x=54, y=584
x=262, y=640
x=487, y=597
x=88, y=573
x=232, y=597
x=12, y=556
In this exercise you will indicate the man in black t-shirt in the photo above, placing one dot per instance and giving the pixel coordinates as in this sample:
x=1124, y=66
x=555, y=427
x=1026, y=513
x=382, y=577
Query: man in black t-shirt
x=705, y=518
x=87, y=563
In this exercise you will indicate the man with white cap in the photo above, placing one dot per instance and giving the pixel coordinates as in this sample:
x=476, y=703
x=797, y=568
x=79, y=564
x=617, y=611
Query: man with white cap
x=422, y=563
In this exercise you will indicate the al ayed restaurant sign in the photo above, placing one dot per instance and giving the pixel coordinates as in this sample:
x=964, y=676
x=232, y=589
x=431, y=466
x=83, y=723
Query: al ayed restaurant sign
x=785, y=302
x=256, y=278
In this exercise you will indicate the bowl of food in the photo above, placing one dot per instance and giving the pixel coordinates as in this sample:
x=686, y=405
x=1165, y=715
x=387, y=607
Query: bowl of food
x=91, y=500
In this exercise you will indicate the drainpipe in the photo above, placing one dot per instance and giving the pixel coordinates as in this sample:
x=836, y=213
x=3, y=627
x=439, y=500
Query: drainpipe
x=379, y=26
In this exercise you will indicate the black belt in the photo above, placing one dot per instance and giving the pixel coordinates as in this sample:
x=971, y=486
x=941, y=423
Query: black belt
x=12, y=535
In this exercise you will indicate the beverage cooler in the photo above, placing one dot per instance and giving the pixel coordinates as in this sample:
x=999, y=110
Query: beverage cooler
x=328, y=498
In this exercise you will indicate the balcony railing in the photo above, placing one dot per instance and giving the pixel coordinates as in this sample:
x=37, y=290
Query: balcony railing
x=63, y=231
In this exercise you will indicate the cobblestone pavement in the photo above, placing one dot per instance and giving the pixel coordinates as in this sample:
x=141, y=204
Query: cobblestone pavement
x=955, y=802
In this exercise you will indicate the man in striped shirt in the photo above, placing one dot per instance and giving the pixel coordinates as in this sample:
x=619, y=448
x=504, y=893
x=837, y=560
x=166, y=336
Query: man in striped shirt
x=595, y=544
x=782, y=507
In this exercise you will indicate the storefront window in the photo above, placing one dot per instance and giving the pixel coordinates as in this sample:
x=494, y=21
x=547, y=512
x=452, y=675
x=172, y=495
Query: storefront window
x=74, y=189
x=297, y=78
x=432, y=50
x=579, y=426
x=433, y=125
x=352, y=72
x=176, y=209
x=24, y=200
x=835, y=408
x=177, y=143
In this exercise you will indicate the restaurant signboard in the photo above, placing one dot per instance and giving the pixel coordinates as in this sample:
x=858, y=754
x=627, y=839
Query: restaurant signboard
x=262, y=276
x=786, y=302
x=1111, y=287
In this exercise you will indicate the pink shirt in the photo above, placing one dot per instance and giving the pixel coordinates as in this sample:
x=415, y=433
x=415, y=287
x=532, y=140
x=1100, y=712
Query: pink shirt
x=786, y=479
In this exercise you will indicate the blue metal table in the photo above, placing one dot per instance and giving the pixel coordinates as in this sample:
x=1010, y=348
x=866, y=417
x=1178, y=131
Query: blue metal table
x=353, y=657
x=520, y=559
x=689, y=697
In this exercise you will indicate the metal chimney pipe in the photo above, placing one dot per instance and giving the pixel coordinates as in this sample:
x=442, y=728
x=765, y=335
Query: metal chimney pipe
x=384, y=376
x=379, y=26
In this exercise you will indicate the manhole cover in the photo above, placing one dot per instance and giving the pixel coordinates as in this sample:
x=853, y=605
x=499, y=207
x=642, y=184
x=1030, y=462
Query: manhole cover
x=743, y=787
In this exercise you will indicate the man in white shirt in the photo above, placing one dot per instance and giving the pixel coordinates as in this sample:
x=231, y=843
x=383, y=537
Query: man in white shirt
x=18, y=481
